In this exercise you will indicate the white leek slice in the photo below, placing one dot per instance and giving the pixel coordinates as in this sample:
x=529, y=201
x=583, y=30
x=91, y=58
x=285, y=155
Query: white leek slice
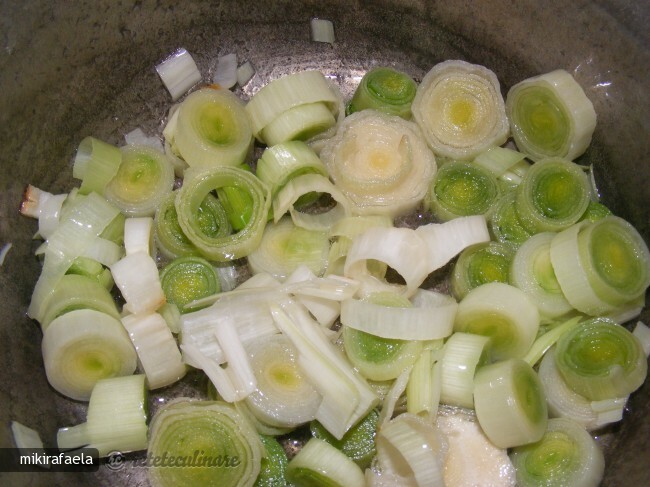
x=299, y=123
x=460, y=109
x=642, y=332
x=393, y=396
x=499, y=160
x=550, y=116
x=284, y=396
x=463, y=352
x=380, y=162
x=504, y=314
x=325, y=310
x=319, y=464
x=49, y=215
x=532, y=272
x=425, y=382
x=414, y=449
x=138, y=235
x=138, y=137
x=82, y=347
x=566, y=455
x=509, y=403
x=564, y=403
x=136, y=276
x=178, y=73
x=431, y=317
x=95, y=163
x=472, y=459
x=322, y=30
x=346, y=396
x=116, y=419
x=225, y=74
x=400, y=248
x=212, y=129
x=104, y=251
x=285, y=247
x=156, y=347
x=303, y=185
x=288, y=92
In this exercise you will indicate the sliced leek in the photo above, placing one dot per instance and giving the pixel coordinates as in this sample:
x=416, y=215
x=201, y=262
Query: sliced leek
x=116, y=419
x=274, y=464
x=600, y=360
x=284, y=396
x=289, y=92
x=463, y=353
x=319, y=464
x=532, y=272
x=505, y=225
x=197, y=186
x=509, y=403
x=299, y=123
x=82, y=347
x=553, y=195
x=504, y=314
x=137, y=278
x=460, y=110
x=285, y=247
x=157, y=349
x=178, y=73
x=212, y=129
x=385, y=89
x=187, y=279
x=95, y=163
x=144, y=179
x=566, y=455
x=480, y=264
x=228, y=450
x=380, y=162
x=550, y=116
x=462, y=189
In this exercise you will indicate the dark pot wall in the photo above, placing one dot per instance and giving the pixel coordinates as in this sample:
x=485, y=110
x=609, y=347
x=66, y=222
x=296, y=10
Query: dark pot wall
x=71, y=69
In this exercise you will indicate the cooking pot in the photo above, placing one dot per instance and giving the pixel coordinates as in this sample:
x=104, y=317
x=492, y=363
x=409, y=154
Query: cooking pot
x=72, y=69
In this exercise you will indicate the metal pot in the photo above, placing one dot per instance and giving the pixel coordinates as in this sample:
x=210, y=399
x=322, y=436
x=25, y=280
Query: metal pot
x=71, y=69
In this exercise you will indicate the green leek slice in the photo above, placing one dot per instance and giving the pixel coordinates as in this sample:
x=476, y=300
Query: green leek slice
x=510, y=404
x=319, y=464
x=385, y=89
x=170, y=239
x=505, y=225
x=191, y=195
x=299, y=123
x=553, y=195
x=212, y=129
x=82, y=347
x=358, y=443
x=480, y=264
x=600, y=360
x=187, y=279
x=206, y=443
x=95, y=163
x=460, y=110
x=504, y=314
x=380, y=162
x=550, y=116
x=462, y=189
x=566, y=455
x=144, y=179
x=274, y=464
x=285, y=247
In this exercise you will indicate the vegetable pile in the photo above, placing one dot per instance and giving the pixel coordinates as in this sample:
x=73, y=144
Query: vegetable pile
x=502, y=380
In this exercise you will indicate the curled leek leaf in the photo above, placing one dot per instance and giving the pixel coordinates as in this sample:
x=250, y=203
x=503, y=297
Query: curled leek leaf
x=143, y=180
x=190, y=197
x=551, y=116
x=229, y=449
x=384, y=89
x=380, y=163
x=600, y=360
x=566, y=455
x=460, y=110
x=212, y=129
